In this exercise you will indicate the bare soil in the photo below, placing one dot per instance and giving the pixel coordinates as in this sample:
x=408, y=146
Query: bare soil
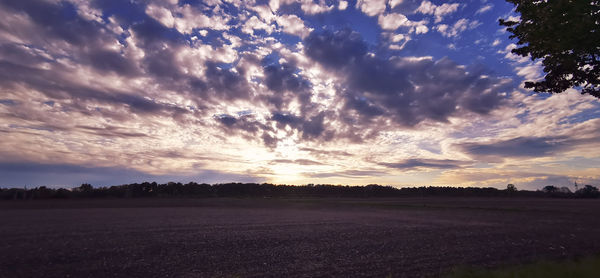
x=402, y=237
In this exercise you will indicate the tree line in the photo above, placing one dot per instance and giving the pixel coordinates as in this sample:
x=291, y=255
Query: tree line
x=266, y=190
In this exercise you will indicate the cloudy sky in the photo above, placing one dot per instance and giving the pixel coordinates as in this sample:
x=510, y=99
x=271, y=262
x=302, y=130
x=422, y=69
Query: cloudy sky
x=398, y=92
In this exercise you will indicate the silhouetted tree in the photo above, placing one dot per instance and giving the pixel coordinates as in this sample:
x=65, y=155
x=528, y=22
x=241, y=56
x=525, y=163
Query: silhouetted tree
x=192, y=189
x=42, y=192
x=62, y=193
x=86, y=187
x=565, y=34
x=550, y=189
x=588, y=191
x=85, y=190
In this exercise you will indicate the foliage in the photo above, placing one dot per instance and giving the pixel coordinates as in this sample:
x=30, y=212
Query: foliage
x=550, y=189
x=586, y=268
x=565, y=34
x=588, y=191
x=265, y=190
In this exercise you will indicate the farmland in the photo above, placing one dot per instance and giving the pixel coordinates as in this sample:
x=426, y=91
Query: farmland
x=258, y=237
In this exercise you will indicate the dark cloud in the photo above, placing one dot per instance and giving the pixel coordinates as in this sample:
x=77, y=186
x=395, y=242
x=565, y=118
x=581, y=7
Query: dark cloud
x=284, y=77
x=21, y=54
x=161, y=63
x=111, y=61
x=39, y=127
x=366, y=108
x=226, y=84
x=248, y=124
x=335, y=49
x=58, y=21
x=327, y=153
x=110, y=131
x=411, y=164
x=152, y=32
x=286, y=84
x=285, y=119
x=310, y=127
x=220, y=83
x=518, y=147
x=227, y=120
x=269, y=141
x=314, y=127
x=58, y=84
x=406, y=90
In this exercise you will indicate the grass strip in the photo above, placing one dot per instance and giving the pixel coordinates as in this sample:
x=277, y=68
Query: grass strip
x=581, y=268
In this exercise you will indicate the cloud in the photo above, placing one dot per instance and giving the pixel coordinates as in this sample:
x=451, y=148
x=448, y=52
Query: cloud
x=412, y=164
x=247, y=123
x=371, y=91
x=309, y=127
x=294, y=25
x=309, y=7
x=73, y=30
x=511, y=56
x=394, y=21
x=112, y=61
x=286, y=120
x=335, y=49
x=221, y=84
x=523, y=66
x=394, y=3
x=421, y=29
x=531, y=71
x=459, y=26
x=161, y=14
x=256, y=24
x=427, y=7
x=347, y=174
x=283, y=77
x=407, y=91
x=56, y=85
x=325, y=153
x=343, y=5
x=484, y=9
x=296, y=161
x=192, y=18
x=288, y=87
x=517, y=147
x=371, y=7
x=110, y=131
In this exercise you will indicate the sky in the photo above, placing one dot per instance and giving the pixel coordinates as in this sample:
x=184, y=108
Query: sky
x=398, y=92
